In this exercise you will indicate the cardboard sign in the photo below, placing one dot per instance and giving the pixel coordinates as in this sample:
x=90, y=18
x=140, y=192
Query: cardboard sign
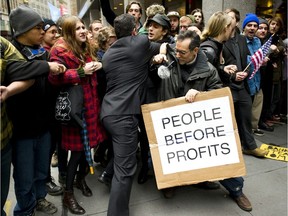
x=275, y=152
x=194, y=142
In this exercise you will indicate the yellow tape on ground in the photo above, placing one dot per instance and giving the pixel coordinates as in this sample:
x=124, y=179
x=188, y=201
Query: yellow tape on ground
x=7, y=207
x=275, y=152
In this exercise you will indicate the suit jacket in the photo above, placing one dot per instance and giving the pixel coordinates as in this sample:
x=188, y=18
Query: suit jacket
x=126, y=65
x=230, y=58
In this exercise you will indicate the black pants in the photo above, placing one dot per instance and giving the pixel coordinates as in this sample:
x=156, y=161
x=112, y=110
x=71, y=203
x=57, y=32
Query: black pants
x=243, y=112
x=124, y=134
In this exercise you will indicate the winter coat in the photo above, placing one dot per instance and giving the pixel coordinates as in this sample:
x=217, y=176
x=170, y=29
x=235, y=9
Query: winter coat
x=200, y=75
x=153, y=81
x=31, y=111
x=71, y=135
x=172, y=86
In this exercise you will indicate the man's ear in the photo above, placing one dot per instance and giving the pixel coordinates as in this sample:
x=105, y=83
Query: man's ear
x=165, y=32
x=134, y=32
x=196, y=49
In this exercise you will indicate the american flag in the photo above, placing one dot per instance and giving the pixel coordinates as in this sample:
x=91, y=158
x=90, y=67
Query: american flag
x=259, y=56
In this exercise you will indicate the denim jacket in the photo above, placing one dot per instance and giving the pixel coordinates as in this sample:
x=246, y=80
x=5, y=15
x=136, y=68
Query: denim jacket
x=254, y=83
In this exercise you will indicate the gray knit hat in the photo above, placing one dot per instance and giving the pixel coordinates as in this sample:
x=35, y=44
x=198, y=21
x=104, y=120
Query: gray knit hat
x=23, y=18
x=263, y=21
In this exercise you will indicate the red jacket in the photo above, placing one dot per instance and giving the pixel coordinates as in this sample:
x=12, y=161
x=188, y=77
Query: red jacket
x=71, y=138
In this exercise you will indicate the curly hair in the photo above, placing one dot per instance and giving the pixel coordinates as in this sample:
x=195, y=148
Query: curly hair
x=103, y=36
x=153, y=9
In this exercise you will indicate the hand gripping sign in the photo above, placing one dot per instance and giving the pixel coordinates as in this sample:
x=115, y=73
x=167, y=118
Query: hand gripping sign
x=194, y=142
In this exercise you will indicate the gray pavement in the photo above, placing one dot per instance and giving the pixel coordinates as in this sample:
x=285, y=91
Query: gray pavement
x=265, y=185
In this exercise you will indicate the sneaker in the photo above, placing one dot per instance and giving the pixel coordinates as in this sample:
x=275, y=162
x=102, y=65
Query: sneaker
x=266, y=127
x=269, y=123
x=276, y=118
x=54, y=160
x=45, y=206
x=258, y=132
x=255, y=152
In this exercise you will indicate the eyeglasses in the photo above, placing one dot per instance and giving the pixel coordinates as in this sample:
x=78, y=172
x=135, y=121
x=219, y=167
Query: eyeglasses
x=181, y=52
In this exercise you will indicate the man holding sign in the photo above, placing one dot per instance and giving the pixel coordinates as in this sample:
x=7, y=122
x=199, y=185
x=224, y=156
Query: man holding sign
x=199, y=75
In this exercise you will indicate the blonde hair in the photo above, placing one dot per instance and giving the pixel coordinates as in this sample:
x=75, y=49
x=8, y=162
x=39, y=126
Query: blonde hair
x=216, y=25
x=187, y=18
x=153, y=9
x=103, y=36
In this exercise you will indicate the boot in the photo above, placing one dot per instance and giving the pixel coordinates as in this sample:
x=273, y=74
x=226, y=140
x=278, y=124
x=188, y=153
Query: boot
x=71, y=203
x=81, y=184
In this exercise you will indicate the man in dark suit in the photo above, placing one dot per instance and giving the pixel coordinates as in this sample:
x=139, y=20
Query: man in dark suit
x=235, y=52
x=126, y=67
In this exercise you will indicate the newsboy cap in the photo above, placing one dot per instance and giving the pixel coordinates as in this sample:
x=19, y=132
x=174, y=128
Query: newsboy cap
x=161, y=19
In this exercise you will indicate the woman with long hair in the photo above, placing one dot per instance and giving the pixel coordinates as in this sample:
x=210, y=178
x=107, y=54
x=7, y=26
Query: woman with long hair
x=218, y=31
x=74, y=51
x=199, y=18
x=275, y=67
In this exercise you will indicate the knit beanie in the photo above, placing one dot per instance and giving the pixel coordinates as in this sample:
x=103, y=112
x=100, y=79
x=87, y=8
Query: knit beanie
x=23, y=18
x=263, y=21
x=250, y=18
x=48, y=23
x=191, y=17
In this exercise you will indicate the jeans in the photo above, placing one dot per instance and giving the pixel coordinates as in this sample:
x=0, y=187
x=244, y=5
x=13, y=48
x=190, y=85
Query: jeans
x=31, y=162
x=233, y=185
x=6, y=157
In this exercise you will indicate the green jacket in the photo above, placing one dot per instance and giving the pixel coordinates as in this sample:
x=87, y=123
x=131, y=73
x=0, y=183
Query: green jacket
x=8, y=54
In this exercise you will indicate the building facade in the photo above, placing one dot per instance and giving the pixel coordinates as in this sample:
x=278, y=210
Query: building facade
x=90, y=10
x=41, y=6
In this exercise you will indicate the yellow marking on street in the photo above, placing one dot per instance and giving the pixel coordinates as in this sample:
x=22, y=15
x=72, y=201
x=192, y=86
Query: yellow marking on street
x=7, y=207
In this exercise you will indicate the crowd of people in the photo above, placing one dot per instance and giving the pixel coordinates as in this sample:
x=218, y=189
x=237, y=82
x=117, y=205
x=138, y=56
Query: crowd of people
x=117, y=68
